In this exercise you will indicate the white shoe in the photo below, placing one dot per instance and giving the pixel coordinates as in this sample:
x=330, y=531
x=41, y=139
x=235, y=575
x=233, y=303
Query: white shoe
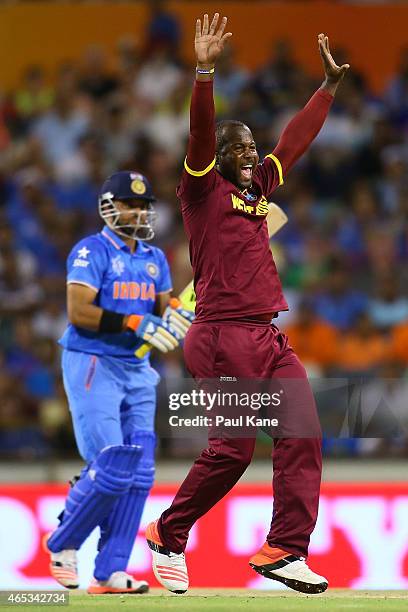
x=118, y=582
x=294, y=572
x=63, y=565
x=169, y=568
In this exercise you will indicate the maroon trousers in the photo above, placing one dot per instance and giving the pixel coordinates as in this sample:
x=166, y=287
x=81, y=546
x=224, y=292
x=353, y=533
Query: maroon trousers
x=247, y=350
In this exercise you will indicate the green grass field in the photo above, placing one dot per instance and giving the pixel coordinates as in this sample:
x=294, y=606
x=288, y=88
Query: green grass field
x=213, y=600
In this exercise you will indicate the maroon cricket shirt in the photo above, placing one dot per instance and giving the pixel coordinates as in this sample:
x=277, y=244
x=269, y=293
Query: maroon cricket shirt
x=235, y=276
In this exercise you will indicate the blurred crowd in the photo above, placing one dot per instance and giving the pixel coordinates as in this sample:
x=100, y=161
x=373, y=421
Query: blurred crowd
x=342, y=257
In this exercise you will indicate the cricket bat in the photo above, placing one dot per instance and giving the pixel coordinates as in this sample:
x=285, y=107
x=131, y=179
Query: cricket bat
x=275, y=220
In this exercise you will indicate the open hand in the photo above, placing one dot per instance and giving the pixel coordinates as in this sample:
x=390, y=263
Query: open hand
x=210, y=40
x=333, y=72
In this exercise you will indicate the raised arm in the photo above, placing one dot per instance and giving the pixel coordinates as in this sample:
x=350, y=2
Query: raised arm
x=209, y=43
x=305, y=126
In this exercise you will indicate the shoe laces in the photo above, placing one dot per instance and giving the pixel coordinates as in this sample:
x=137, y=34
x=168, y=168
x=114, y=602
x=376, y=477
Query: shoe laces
x=121, y=574
x=300, y=567
x=68, y=558
x=177, y=559
x=117, y=579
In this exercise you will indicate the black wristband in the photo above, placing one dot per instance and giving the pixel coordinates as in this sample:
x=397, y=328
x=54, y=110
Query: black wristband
x=111, y=322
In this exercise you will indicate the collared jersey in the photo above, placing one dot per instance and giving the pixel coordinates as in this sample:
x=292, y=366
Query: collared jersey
x=125, y=282
x=234, y=272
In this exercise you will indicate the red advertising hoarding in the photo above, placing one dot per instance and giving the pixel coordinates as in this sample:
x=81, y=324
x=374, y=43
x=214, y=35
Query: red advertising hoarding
x=361, y=539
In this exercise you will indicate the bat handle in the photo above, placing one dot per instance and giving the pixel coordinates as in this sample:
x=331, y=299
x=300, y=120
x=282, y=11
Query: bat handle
x=143, y=350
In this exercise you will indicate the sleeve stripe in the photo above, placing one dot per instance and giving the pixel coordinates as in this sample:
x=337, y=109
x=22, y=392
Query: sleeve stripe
x=199, y=172
x=278, y=165
x=165, y=291
x=77, y=282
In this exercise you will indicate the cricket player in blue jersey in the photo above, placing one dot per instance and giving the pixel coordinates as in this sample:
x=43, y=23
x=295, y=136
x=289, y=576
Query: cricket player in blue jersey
x=117, y=299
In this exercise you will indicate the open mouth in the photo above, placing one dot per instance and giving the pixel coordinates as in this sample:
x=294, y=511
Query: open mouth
x=246, y=172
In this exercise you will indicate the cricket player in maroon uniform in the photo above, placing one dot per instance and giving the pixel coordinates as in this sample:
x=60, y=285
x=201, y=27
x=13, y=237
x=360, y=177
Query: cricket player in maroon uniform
x=223, y=192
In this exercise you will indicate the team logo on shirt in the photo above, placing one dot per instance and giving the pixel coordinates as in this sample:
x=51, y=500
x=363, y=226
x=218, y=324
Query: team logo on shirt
x=138, y=187
x=251, y=197
x=81, y=261
x=84, y=252
x=260, y=210
x=152, y=270
x=118, y=266
x=133, y=291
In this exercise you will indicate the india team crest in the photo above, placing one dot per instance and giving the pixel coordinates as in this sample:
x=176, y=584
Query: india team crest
x=117, y=265
x=152, y=270
x=138, y=187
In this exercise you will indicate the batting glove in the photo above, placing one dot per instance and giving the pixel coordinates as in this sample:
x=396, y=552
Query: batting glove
x=155, y=331
x=178, y=318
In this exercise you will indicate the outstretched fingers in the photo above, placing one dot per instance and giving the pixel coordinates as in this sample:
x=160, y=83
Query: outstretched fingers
x=331, y=68
x=198, y=29
x=323, y=44
x=210, y=38
x=214, y=23
x=204, y=28
x=205, y=25
x=224, y=39
x=325, y=51
x=222, y=27
x=344, y=68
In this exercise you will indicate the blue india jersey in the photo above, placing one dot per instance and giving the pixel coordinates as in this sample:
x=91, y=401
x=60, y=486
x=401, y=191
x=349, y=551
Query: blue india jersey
x=126, y=283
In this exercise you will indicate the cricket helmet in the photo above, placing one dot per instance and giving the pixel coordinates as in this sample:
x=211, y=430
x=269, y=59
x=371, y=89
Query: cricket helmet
x=127, y=185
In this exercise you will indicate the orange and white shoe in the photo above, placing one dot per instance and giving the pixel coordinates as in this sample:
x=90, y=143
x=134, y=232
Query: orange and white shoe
x=63, y=565
x=291, y=570
x=118, y=582
x=169, y=568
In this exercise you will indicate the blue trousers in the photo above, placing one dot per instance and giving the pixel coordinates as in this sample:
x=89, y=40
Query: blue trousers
x=112, y=403
x=109, y=399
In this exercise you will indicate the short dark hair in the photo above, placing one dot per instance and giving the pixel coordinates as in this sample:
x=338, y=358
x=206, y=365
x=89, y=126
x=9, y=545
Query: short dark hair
x=221, y=130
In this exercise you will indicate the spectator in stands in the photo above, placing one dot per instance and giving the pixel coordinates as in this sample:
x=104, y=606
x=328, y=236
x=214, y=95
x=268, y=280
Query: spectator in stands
x=158, y=78
x=394, y=180
x=119, y=134
x=18, y=292
x=34, y=97
x=96, y=80
x=50, y=320
x=163, y=30
x=382, y=248
x=248, y=106
x=396, y=94
x=20, y=433
x=32, y=214
x=399, y=343
x=59, y=129
x=368, y=158
x=231, y=78
x=362, y=349
x=354, y=223
x=55, y=422
x=275, y=82
x=168, y=126
x=338, y=303
x=25, y=263
x=298, y=235
x=389, y=307
x=314, y=340
x=128, y=55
